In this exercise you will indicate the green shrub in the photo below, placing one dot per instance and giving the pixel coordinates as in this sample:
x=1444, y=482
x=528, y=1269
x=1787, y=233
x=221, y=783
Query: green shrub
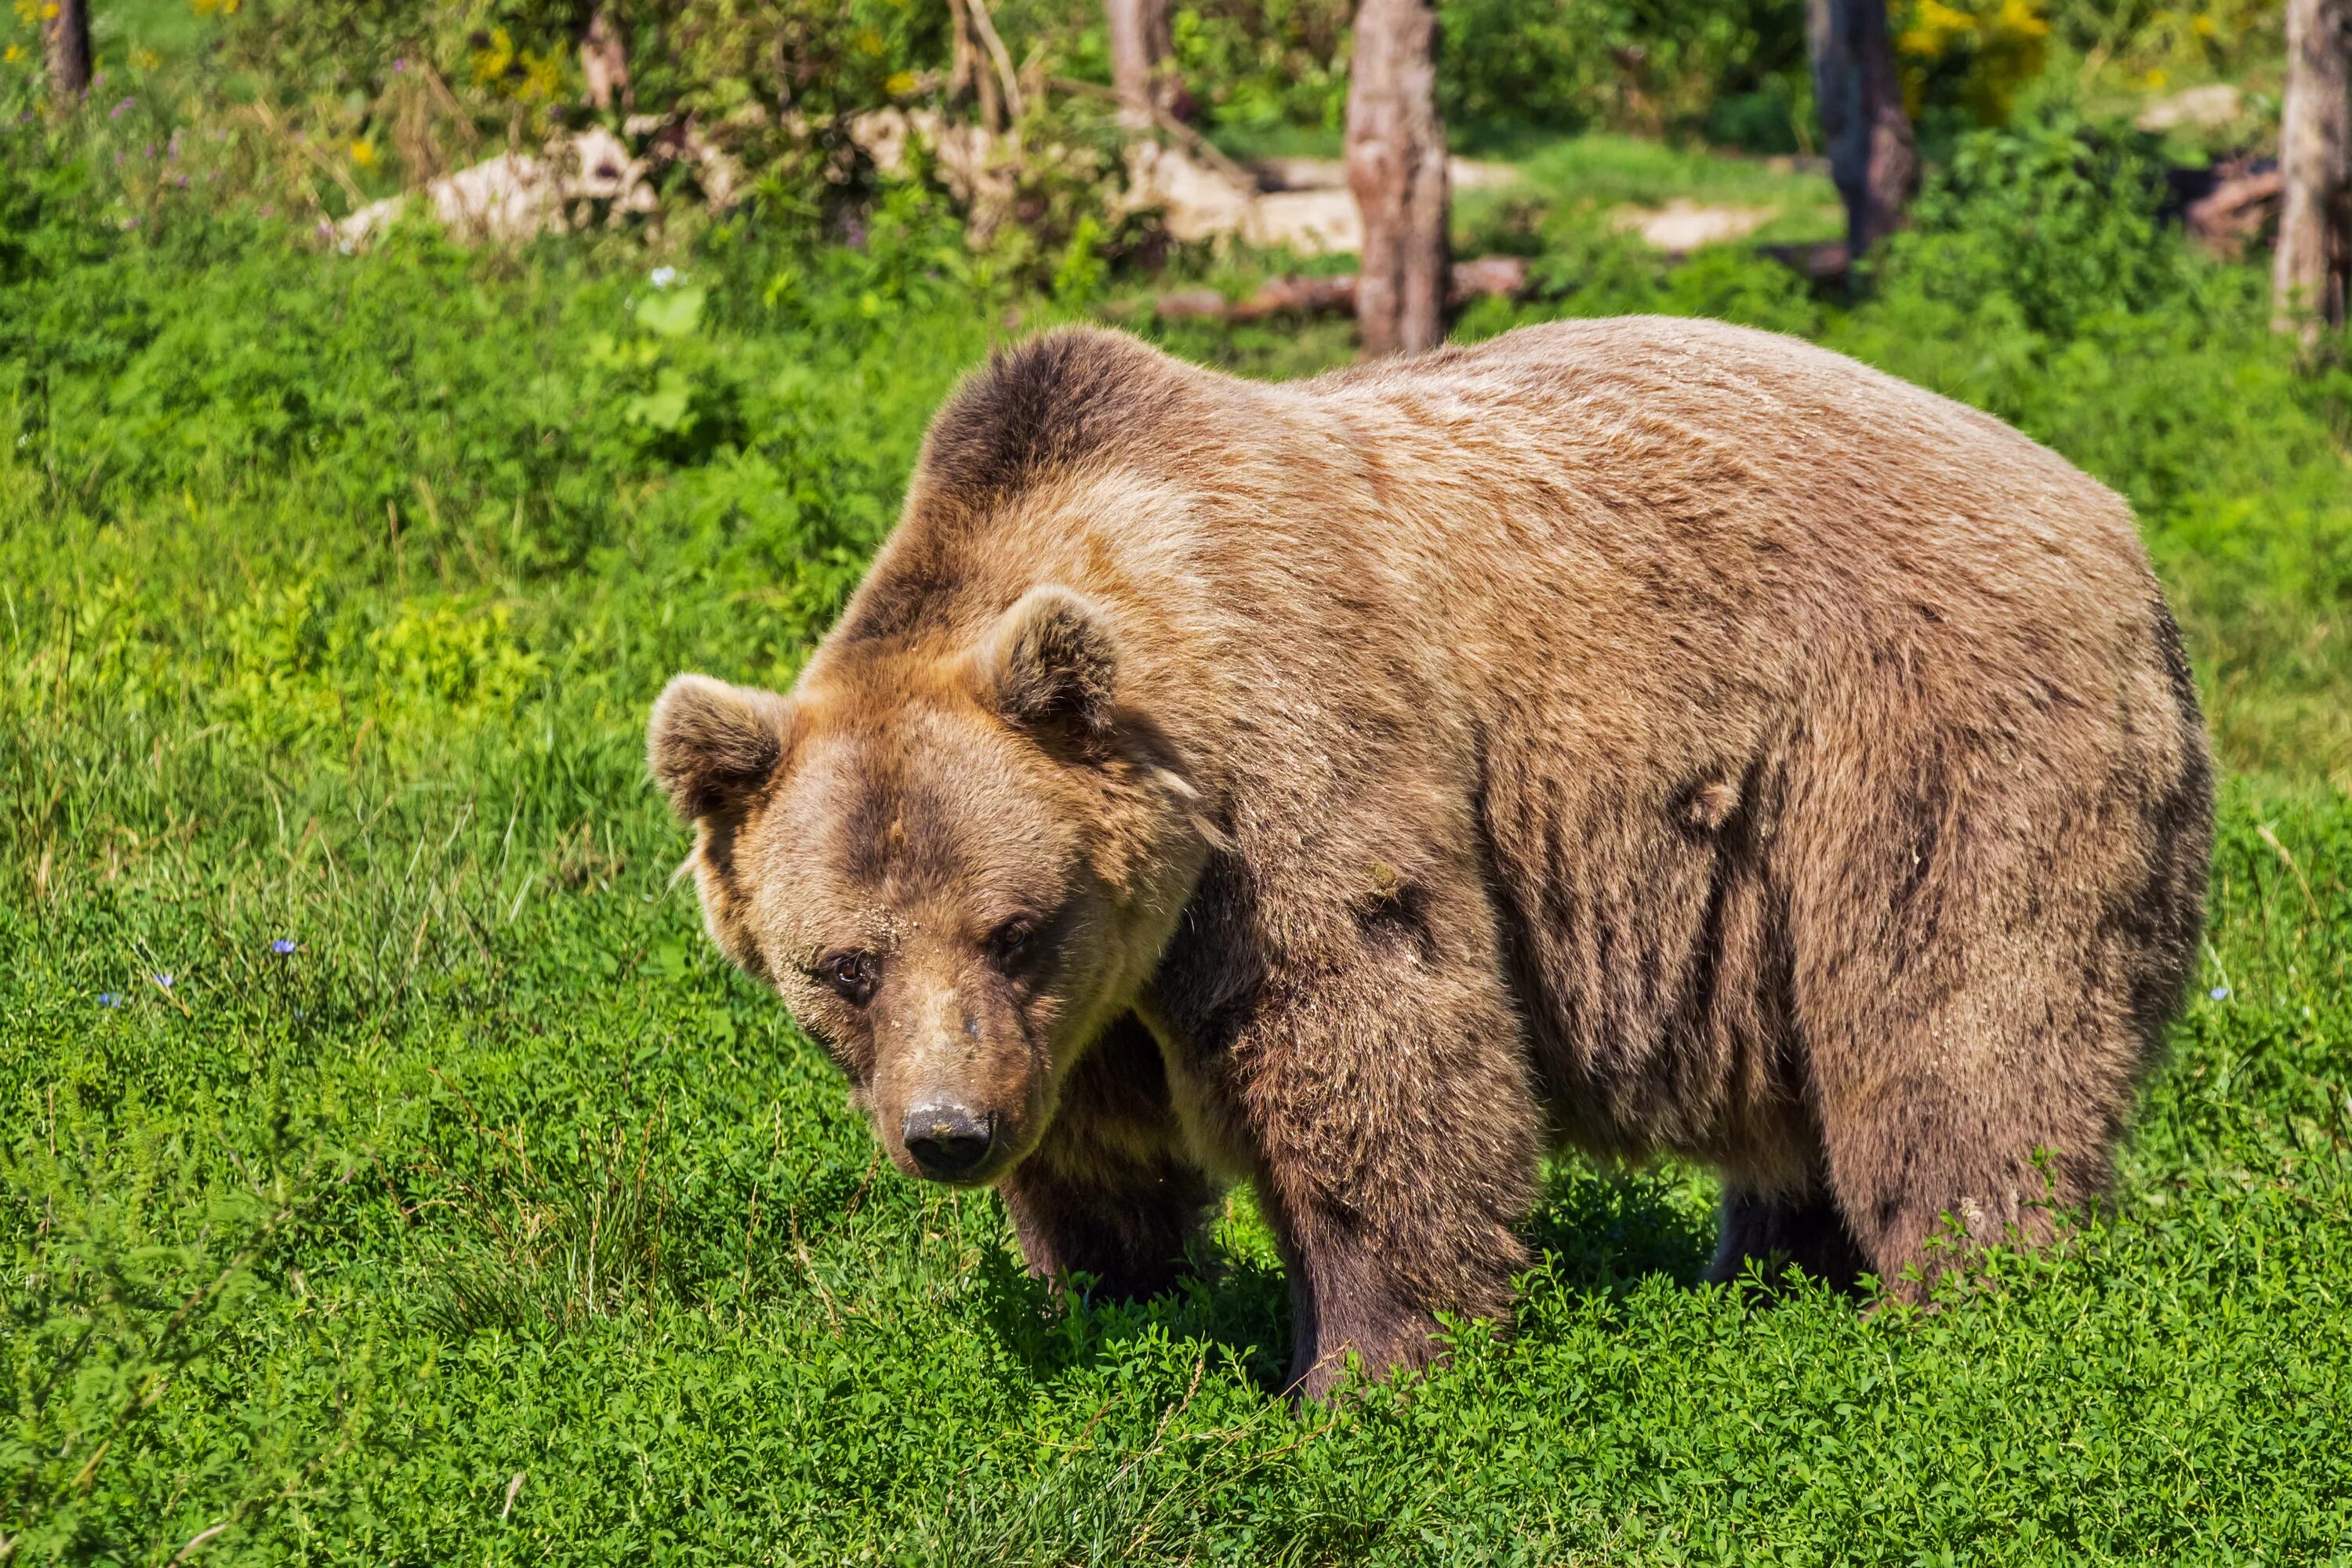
x=2049, y=224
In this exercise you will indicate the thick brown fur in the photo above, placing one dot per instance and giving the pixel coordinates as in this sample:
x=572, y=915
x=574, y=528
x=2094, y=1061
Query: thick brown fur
x=1650, y=735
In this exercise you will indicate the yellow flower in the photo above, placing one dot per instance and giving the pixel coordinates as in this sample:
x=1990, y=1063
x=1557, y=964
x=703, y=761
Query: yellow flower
x=49, y=11
x=2203, y=25
x=364, y=154
x=900, y=84
x=13, y=54
x=542, y=77
x=145, y=60
x=2018, y=19
x=491, y=63
x=2156, y=78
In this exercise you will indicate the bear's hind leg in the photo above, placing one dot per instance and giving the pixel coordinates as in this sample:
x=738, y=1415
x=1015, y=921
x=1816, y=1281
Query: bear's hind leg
x=1776, y=1230
x=1109, y=1193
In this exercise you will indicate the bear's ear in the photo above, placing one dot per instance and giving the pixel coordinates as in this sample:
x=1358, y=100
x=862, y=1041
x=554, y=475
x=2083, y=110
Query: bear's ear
x=1051, y=662
x=710, y=743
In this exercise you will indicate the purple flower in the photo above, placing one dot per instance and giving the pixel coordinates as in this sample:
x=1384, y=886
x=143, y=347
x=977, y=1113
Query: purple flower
x=110, y=998
x=163, y=980
x=2219, y=993
x=150, y=149
x=283, y=944
x=116, y=112
x=400, y=65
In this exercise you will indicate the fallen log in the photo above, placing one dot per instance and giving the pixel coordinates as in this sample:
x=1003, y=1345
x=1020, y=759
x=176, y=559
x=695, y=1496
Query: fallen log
x=2234, y=215
x=1495, y=277
x=1817, y=261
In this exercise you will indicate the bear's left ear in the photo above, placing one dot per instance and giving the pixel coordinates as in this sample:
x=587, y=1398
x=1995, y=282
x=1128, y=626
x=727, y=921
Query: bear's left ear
x=1051, y=662
x=710, y=743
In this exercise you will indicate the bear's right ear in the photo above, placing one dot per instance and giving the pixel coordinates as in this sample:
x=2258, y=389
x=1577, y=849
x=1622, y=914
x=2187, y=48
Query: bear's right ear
x=710, y=743
x=1051, y=663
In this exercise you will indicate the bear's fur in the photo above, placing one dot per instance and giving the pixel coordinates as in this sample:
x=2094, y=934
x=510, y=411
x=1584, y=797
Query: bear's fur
x=1647, y=735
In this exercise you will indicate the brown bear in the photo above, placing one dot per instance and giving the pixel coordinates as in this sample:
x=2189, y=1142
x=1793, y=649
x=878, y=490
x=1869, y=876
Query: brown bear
x=1646, y=735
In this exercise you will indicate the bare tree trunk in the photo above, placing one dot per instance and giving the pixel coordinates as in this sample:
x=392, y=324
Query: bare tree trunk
x=983, y=65
x=67, y=39
x=2315, y=241
x=1396, y=166
x=1873, y=157
x=1142, y=61
x=605, y=62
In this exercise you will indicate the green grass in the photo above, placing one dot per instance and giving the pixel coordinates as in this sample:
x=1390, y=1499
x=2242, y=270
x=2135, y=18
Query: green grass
x=1606, y=169
x=499, y=1220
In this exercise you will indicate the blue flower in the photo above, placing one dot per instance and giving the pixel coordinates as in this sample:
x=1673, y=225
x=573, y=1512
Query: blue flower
x=283, y=944
x=2219, y=993
x=163, y=980
x=110, y=998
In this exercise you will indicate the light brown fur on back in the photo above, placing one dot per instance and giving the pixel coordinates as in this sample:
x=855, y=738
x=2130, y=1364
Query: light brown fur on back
x=1650, y=734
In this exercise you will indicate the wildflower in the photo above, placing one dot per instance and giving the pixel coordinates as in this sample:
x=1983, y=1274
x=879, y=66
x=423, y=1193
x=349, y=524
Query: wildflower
x=399, y=65
x=364, y=154
x=163, y=980
x=2219, y=993
x=110, y=998
x=283, y=944
x=663, y=276
x=116, y=112
x=151, y=150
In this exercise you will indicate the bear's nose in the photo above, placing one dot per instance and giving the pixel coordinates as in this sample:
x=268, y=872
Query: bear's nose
x=946, y=1140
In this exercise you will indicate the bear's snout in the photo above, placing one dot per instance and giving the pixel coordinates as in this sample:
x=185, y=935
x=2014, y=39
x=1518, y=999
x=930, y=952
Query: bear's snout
x=948, y=1141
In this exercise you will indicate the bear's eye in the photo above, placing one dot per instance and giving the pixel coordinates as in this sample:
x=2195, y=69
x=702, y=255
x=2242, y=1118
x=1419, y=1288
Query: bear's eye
x=850, y=973
x=1011, y=943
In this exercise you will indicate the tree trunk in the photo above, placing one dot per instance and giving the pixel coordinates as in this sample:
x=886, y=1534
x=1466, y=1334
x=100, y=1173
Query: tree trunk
x=1873, y=157
x=2315, y=242
x=1142, y=61
x=1396, y=166
x=67, y=40
x=605, y=63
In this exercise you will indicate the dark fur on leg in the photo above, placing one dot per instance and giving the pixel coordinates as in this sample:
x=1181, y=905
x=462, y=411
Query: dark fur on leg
x=1110, y=1194
x=1805, y=1229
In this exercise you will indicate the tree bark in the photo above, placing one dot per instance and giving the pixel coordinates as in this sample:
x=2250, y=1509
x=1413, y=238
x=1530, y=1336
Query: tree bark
x=2315, y=240
x=1873, y=156
x=605, y=63
x=1396, y=167
x=65, y=40
x=1142, y=61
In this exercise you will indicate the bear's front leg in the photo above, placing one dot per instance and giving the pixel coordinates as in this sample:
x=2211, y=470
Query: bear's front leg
x=1109, y=1191
x=1384, y=1101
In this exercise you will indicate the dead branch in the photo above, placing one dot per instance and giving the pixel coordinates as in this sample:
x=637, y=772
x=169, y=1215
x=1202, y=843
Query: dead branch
x=1488, y=277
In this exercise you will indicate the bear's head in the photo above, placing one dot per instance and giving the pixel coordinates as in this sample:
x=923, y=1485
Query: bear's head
x=955, y=865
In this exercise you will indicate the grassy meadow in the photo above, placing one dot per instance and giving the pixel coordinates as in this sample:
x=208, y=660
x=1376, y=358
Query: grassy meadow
x=391, y=1172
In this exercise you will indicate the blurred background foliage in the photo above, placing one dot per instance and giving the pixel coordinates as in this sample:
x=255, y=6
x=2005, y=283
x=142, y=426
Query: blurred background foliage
x=354, y=99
